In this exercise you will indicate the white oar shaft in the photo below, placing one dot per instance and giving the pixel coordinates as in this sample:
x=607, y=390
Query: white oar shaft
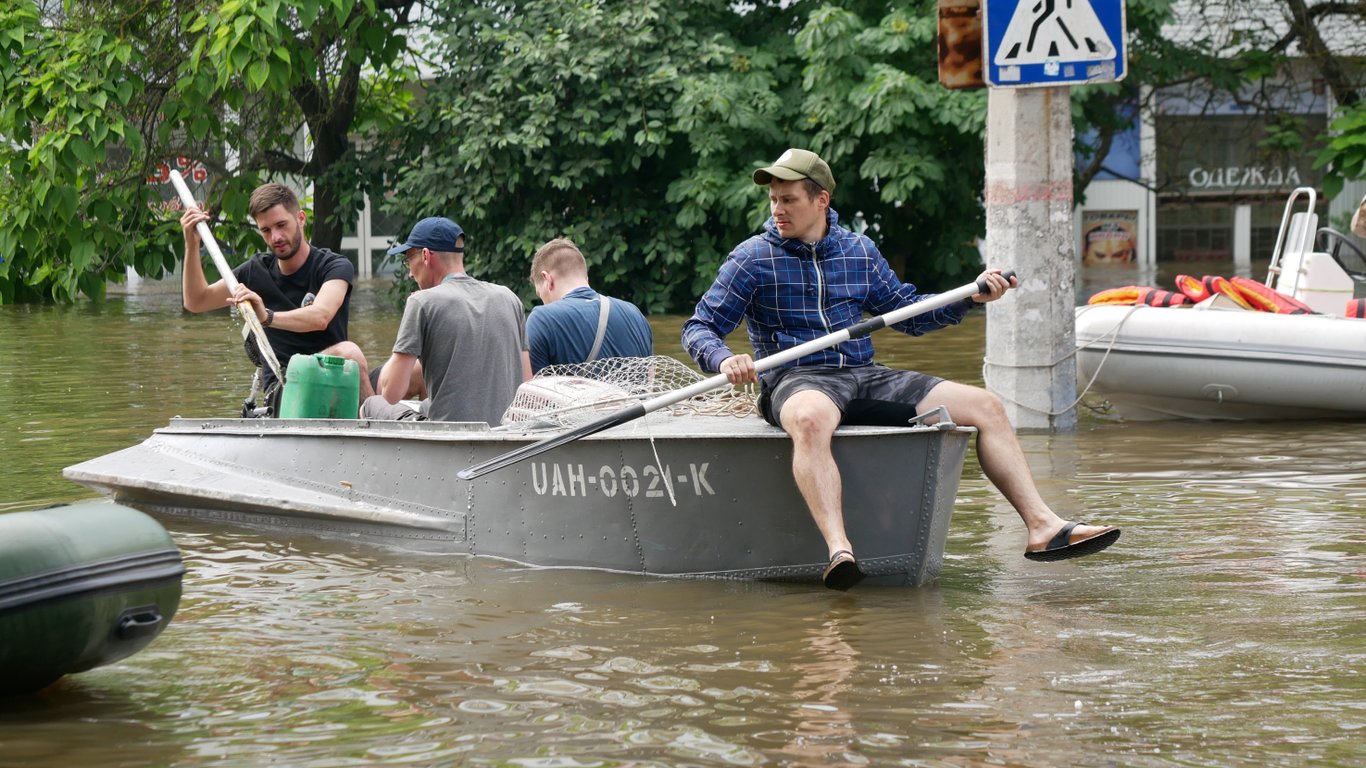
x=205, y=234
x=229, y=279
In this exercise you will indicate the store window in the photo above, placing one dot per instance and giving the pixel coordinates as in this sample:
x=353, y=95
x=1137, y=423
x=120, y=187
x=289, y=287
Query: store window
x=1208, y=166
x=1195, y=232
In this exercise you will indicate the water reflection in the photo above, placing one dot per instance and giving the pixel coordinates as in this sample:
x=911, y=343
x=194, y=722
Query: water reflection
x=1224, y=629
x=822, y=732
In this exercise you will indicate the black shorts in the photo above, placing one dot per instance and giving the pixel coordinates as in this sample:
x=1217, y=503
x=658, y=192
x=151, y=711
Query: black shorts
x=871, y=394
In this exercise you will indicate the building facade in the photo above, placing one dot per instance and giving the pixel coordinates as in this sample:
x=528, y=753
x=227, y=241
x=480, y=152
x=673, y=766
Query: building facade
x=1205, y=176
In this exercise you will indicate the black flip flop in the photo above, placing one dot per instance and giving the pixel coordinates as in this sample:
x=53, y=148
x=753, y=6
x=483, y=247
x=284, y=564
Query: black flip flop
x=1060, y=549
x=842, y=572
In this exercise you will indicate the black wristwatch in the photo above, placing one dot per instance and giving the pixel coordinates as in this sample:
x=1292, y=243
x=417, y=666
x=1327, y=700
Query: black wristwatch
x=270, y=318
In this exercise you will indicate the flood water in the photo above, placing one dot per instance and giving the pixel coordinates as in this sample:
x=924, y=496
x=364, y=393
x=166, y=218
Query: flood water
x=1225, y=628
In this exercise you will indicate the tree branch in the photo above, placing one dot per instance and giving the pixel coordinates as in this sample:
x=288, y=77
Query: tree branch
x=1344, y=91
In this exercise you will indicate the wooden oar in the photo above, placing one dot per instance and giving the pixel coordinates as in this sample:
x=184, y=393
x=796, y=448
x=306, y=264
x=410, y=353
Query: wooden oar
x=633, y=412
x=248, y=314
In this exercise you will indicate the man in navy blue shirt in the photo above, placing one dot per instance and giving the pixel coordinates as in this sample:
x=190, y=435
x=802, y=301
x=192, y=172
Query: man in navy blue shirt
x=805, y=277
x=576, y=324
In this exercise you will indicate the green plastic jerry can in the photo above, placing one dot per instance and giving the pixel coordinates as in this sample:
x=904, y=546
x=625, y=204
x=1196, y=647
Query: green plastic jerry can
x=321, y=387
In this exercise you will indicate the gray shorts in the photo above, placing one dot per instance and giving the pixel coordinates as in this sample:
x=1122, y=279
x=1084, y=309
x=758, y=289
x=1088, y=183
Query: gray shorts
x=377, y=408
x=872, y=394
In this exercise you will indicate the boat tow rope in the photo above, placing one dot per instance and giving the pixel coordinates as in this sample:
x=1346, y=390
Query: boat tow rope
x=1113, y=335
x=244, y=309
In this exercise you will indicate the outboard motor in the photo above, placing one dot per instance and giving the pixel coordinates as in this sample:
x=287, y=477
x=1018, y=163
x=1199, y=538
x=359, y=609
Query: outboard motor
x=271, y=401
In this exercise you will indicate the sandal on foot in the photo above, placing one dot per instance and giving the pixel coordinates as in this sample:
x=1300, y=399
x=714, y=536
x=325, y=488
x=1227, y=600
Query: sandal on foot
x=1063, y=548
x=842, y=572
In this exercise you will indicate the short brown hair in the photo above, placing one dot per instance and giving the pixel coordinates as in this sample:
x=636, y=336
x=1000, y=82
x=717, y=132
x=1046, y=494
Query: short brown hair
x=560, y=256
x=268, y=196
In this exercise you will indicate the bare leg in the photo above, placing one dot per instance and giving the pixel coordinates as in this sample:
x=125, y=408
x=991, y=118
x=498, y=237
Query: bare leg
x=810, y=418
x=1002, y=459
x=351, y=351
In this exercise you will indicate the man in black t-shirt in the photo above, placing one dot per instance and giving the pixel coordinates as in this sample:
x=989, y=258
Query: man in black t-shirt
x=301, y=294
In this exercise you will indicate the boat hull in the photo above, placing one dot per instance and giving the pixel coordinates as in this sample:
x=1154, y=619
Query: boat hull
x=80, y=586
x=1155, y=363
x=689, y=497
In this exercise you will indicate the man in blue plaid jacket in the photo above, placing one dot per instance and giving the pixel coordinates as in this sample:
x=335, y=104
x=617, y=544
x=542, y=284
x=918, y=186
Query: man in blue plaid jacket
x=804, y=277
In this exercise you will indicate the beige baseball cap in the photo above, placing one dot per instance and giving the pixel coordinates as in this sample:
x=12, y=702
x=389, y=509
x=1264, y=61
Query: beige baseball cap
x=797, y=164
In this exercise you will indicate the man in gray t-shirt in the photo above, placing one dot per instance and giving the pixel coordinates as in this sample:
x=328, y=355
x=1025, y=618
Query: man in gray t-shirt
x=470, y=335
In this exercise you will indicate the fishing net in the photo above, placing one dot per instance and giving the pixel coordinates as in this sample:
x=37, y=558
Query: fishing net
x=567, y=396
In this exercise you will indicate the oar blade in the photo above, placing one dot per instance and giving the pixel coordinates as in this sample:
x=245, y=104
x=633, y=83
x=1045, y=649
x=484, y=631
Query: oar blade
x=535, y=449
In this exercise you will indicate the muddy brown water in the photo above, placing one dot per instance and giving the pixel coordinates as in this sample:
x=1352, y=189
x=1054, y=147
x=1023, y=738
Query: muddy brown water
x=1225, y=628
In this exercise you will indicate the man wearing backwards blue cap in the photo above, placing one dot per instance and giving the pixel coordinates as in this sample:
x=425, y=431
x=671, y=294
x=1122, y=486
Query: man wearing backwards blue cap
x=805, y=277
x=470, y=335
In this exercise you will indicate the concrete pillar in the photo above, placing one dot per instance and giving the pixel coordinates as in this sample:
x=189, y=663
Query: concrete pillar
x=1031, y=332
x=1242, y=240
x=1147, y=143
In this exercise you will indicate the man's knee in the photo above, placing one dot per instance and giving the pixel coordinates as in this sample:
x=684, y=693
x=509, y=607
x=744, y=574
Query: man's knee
x=349, y=350
x=982, y=408
x=809, y=415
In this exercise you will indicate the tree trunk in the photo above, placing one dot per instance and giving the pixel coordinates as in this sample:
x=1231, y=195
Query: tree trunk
x=327, y=229
x=1305, y=26
x=329, y=113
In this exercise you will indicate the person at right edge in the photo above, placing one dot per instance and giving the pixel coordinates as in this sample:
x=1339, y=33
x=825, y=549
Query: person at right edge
x=805, y=277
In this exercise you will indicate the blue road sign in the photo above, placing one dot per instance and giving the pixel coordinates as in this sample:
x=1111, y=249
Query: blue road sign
x=1053, y=42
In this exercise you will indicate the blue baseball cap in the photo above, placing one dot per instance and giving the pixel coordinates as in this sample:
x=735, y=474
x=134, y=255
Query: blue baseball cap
x=436, y=233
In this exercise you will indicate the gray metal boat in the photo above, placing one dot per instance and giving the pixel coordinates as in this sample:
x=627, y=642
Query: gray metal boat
x=681, y=496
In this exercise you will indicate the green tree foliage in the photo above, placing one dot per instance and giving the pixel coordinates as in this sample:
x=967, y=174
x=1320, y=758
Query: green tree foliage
x=94, y=97
x=910, y=151
x=1344, y=152
x=74, y=214
x=632, y=127
x=629, y=125
x=557, y=118
x=333, y=67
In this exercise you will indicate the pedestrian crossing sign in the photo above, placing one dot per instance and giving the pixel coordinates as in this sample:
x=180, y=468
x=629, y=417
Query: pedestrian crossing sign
x=1053, y=42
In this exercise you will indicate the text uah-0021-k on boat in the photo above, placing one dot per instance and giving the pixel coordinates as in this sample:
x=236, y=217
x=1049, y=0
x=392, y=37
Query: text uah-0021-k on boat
x=1219, y=348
